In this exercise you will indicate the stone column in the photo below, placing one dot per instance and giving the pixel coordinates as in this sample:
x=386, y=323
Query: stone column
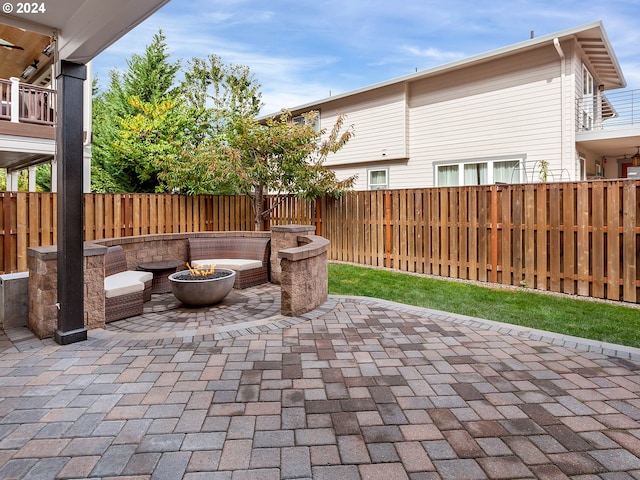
x=43, y=289
x=285, y=236
x=304, y=276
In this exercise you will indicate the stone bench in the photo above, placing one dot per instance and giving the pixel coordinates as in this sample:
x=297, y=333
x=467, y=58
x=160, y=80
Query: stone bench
x=299, y=269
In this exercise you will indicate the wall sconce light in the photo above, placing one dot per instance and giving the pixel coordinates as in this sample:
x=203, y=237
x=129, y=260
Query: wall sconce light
x=636, y=158
x=30, y=70
x=48, y=50
x=601, y=88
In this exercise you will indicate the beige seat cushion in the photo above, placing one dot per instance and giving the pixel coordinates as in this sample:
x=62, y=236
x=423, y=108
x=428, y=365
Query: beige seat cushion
x=236, y=264
x=141, y=276
x=123, y=283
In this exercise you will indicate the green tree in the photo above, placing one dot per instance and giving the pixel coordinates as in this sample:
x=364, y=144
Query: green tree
x=203, y=136
x=148, y=84
x=43, y=177
x=278, y=156
x=215, y=94
x=153, y=139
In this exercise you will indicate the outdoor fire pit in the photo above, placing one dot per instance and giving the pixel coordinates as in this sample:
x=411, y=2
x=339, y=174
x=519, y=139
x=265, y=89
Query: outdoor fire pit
x=203, y=286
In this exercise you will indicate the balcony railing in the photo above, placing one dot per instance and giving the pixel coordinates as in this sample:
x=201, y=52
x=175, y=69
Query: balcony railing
x=613, y=110
x=34, y=104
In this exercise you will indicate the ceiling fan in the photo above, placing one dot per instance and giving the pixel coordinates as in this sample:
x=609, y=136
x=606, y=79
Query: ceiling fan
x=5, y=44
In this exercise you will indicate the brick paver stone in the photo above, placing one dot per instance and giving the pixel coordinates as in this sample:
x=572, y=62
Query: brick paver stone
x=385, y=471
x=295, y=462
x=358, y=389
x=504, y=467
x=353, y=449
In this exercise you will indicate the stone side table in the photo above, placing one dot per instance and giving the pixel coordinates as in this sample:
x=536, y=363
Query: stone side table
x=161, y=271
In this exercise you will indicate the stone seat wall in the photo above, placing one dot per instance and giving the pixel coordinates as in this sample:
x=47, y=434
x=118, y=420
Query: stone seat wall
x=42, y=264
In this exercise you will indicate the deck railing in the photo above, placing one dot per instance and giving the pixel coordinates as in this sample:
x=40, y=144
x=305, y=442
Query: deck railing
x=35, y=104
x=611, y=110
x=5, y=99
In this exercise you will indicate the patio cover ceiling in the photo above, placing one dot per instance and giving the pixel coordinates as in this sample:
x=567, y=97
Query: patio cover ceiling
x=82, y=28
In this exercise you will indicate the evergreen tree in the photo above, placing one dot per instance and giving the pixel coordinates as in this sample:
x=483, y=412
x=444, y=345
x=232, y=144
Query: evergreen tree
x=148, y=82
x=203, y=136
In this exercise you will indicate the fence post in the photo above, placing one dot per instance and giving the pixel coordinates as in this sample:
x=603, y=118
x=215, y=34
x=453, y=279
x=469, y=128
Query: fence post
x=318, y=204
x=6, y=213
x=388, y=247
x=494, y=233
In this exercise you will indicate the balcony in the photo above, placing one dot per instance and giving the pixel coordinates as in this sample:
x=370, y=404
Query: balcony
x=608, y=126
x=617, y=109
x=27, y=124
x=34, y=105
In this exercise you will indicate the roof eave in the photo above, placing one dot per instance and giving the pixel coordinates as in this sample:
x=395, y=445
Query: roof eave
x=476, y=59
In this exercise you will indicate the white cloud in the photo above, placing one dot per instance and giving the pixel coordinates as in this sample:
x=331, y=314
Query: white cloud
x=433, y=53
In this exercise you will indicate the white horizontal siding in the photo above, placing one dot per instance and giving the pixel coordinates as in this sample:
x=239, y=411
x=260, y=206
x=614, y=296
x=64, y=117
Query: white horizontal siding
x=379, y=121
x=508, y=108
x=504, y=108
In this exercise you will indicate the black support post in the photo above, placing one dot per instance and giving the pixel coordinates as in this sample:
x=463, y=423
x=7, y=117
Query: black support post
x=70, y=209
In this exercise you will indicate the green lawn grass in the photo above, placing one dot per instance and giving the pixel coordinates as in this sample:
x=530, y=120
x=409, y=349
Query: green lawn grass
x=581, y=318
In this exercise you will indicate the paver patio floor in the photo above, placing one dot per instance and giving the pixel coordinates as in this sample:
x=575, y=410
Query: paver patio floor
x=357, y=389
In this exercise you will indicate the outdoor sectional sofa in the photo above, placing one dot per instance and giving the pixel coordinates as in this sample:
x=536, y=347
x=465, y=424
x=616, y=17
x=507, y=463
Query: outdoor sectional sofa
x=125, y=291
x=248, y=256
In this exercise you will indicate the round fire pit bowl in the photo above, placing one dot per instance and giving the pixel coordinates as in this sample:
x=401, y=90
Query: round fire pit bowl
x=202, y=291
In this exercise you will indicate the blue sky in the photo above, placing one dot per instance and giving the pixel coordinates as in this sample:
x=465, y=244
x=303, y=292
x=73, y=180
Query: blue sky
x=305, y=50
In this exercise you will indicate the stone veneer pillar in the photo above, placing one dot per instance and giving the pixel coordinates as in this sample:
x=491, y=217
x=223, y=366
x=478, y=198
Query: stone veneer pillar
x=43, y=289
x=304, y=276
x=285, y=236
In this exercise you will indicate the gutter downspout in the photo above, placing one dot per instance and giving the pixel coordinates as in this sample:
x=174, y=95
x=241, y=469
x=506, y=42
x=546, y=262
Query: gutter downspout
x=556, y=43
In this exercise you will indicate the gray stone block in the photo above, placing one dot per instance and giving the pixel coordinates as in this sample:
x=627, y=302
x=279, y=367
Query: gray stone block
x=14, y=299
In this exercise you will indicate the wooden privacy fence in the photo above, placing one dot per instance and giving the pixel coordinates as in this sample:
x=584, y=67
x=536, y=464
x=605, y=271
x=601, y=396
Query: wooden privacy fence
x=29, y=219
x=579, y=238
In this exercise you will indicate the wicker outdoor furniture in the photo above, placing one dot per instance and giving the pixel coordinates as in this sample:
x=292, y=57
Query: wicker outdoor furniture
x=125, y=291
x=161, y=271
x=248, y=256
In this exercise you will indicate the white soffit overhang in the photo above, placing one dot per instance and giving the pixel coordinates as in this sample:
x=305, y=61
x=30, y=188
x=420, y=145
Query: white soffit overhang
x=85, y=27
x=595, y=45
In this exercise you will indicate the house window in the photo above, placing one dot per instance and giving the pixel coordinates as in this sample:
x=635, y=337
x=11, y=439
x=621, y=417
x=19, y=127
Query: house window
x=448, y=176
x=588, y=99
x=478, y=173
x=378, y=179
x=301, y=120
x=506, y=171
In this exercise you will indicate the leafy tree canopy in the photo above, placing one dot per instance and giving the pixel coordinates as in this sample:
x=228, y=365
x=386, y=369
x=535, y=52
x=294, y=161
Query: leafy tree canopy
x=203, y=135
x=278, y=156
x=147, y=85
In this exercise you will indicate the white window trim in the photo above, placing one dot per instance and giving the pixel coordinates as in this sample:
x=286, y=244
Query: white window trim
x=589, y=97
x=377, y=187
x=300, y=120
x=489, y=161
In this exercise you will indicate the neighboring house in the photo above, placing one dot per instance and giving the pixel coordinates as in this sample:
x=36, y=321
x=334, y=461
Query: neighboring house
x=534, y=109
